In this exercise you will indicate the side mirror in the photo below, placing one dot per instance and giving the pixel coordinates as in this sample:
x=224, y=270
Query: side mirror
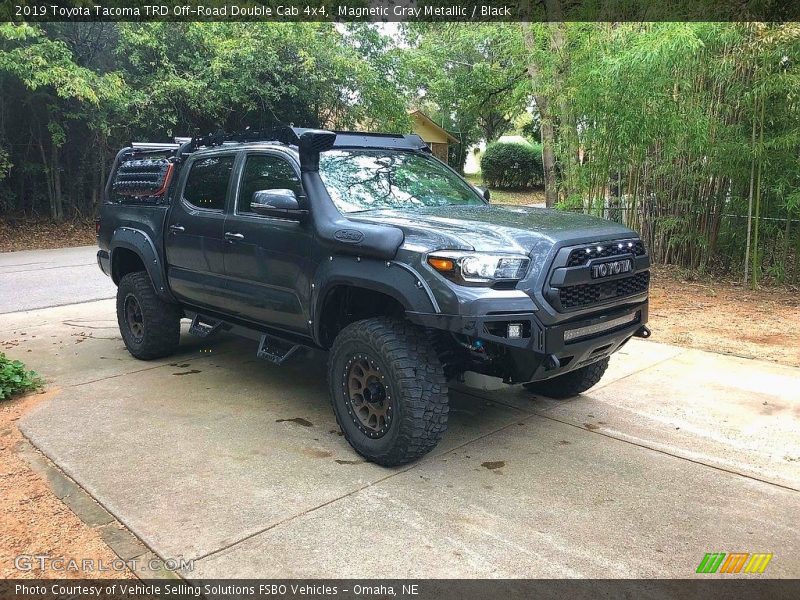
x=484, y=192
x=280, y=204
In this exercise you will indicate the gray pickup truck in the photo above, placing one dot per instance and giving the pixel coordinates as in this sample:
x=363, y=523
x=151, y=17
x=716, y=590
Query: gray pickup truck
x=368, y=247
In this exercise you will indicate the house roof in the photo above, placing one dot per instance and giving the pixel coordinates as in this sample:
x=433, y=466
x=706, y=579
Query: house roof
x=418, y=114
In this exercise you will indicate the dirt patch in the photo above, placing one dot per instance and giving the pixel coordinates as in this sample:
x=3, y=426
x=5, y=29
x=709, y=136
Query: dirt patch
x=33, y=521
x=724, y=316
x=37, y=234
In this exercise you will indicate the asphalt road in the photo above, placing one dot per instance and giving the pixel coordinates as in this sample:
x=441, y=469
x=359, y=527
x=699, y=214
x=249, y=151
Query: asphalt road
x=44, y=278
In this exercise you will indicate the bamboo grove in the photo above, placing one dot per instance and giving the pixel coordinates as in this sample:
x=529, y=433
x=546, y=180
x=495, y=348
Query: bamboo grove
x=687, y=132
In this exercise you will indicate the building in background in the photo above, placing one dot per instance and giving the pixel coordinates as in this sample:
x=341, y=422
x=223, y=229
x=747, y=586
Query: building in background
x=436, y=137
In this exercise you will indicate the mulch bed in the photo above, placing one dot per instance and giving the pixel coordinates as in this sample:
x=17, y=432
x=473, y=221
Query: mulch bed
x=41, y=234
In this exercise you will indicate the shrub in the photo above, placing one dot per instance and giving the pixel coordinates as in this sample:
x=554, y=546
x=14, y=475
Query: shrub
x=14, y=379
x=512, y=166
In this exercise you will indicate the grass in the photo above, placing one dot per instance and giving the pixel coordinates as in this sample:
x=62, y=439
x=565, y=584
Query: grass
x=510, y=197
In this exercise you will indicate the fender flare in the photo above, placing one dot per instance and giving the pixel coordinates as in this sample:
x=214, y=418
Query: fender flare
x=387, y=277
x=142, y=245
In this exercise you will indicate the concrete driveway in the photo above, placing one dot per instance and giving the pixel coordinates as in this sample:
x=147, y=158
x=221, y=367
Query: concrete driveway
x=216, y=456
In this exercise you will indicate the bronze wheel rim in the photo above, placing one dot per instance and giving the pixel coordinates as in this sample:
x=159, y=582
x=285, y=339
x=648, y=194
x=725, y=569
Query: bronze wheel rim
x=367, y=396
x=134, y=318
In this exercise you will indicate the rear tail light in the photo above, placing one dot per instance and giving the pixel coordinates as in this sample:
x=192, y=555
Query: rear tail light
x=97, y=226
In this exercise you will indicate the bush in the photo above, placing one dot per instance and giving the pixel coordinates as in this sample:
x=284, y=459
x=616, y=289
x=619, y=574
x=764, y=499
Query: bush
x=14, y=379
x=512, y=166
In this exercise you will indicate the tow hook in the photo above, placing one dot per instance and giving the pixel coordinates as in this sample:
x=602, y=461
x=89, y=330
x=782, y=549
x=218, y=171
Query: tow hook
x=643, y=332
x=552, y=362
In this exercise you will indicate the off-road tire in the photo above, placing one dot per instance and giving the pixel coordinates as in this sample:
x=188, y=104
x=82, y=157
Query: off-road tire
x=572, y=383
x=161, y=321
x=414, y=382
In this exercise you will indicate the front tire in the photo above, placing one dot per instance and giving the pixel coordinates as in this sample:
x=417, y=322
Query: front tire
x=150, y=327
x=388, y=390
x=572, y=383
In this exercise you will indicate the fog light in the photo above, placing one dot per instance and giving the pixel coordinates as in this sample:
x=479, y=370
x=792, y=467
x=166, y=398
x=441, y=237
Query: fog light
x=515, y=330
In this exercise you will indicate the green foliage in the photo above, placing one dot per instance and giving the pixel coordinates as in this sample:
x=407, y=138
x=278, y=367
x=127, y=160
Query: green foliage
x=5, y=163
x=468, y=78
x=664, y=126
x=71, y=94
x=512, y=166
x=14, y=379
x=668, y=126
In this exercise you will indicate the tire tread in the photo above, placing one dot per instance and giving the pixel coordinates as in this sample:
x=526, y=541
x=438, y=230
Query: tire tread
x=162, y=320
x=418, y=376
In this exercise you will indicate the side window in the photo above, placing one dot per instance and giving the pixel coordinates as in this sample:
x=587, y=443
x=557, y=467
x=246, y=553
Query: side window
x=265, y=172
x=207, y=183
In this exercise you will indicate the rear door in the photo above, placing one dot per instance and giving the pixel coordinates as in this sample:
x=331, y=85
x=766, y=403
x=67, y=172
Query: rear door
x=195, y=242
x=267, y=260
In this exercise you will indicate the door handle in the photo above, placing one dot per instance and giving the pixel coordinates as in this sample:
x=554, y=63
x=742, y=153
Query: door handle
x=177, y=228
x=233, y=237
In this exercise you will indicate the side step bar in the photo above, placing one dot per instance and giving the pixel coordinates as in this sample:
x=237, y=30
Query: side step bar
x=276, y=350
x=271, y=347
x=204, y=330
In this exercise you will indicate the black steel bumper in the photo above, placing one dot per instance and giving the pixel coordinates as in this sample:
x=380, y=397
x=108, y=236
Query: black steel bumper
x=546, y=351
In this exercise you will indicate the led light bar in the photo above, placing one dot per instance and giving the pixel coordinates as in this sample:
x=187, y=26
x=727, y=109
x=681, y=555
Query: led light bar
x=570, y=335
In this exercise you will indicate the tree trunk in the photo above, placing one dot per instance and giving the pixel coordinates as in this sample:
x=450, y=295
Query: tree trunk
x=48, y=178
x=58, y=200
x=547, y=127
x=567, y=130
x=548, y=158
x=750, y=202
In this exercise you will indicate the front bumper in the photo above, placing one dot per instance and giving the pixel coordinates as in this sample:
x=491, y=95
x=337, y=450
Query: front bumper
x=544, y=351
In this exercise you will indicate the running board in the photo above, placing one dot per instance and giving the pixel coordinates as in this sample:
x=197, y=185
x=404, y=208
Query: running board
x=204, y=330
x=276, y=350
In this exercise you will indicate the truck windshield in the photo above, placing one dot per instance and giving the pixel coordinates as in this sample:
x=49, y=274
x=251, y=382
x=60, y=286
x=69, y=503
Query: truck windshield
x=362, y=180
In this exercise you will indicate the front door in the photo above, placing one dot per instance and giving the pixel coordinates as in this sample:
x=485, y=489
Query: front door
x=267, y=260
x=194, y=240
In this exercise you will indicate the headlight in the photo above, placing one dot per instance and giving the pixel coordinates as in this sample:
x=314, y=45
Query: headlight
x=479, y=267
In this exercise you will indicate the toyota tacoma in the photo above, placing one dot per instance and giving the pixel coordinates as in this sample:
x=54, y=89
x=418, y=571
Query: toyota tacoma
x=368, y=247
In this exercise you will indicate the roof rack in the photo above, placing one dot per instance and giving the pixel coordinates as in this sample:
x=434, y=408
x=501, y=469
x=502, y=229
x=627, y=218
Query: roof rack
x=309, y=142
x=388, y=141
x=289, y=136
x=155, y=146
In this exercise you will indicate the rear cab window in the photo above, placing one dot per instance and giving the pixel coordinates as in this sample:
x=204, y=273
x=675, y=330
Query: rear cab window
x=207, y=182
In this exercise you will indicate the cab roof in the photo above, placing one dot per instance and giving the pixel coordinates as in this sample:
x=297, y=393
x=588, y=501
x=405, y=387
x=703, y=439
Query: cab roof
x=287, y=139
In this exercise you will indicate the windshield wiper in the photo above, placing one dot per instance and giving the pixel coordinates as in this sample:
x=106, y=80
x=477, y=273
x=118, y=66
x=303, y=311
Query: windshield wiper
x=355, y=212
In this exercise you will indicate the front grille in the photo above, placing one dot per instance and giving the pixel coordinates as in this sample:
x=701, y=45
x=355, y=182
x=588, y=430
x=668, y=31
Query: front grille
x=586, y=294
x=580, y=256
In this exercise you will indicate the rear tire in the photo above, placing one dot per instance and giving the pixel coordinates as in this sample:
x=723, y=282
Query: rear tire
x=150, y=327
x=572, y=383
x=388, y=390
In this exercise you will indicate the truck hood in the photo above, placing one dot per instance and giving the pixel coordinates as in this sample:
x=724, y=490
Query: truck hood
x=493, y=228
